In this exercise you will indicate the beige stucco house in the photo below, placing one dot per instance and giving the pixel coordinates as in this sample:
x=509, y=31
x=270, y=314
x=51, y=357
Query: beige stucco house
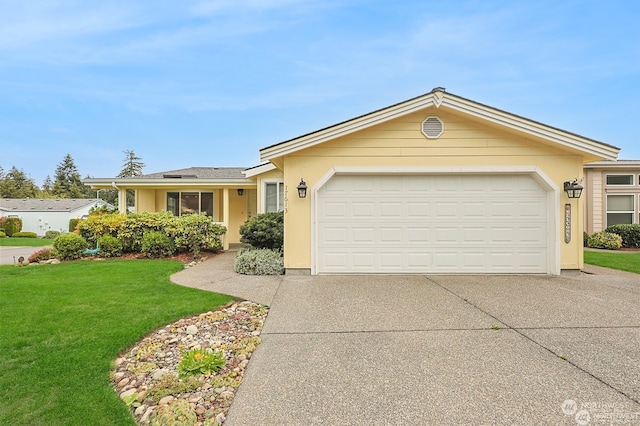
x=434, y=184
x=612, y=193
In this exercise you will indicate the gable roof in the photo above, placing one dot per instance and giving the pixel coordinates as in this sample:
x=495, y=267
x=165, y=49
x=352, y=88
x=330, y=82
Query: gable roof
x=46, y=204
x=438, y=98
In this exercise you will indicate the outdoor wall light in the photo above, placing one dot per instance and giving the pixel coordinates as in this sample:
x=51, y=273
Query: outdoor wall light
x=302, y=189
x=240, y=191
x=573, y=189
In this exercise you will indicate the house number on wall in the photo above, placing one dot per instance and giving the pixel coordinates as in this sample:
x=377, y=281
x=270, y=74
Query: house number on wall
x=567, y=223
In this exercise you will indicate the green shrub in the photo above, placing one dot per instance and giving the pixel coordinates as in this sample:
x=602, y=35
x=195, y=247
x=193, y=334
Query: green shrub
x=12, y=225
x=195, y=233
x=156, y=244
x=44, y=254
x=110, y=246
x=73, y=224
x=69, y=246
x=51, y=234
x=259, y=262
x=585, y=239
x=24, y=234
x=630, y=234
x=200, y=361
x=605, y=240
x=2, y=234
x=264, y=231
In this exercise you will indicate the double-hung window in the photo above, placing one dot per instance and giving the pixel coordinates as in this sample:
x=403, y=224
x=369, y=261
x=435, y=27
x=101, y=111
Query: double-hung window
x=273, y=196
x=620, y=209
x=180, y=203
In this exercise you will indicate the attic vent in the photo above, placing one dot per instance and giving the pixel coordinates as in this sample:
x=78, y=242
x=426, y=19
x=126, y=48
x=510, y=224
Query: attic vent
x=432, y=127
x=179, y=176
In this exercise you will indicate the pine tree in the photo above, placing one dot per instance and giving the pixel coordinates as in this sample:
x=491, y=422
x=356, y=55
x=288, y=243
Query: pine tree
x=67, y=183
x=132, y=167
x=16, y=184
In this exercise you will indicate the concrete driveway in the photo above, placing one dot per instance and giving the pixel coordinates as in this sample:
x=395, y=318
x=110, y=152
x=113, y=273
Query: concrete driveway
x=10, y=255
x=438, y=349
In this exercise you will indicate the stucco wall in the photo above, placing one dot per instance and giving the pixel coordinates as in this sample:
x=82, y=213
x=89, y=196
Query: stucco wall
x=400, y=143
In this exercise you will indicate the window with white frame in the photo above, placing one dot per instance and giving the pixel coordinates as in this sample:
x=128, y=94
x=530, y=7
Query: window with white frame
x=180, y=203
x=620, y=209
x=273, y=196
x=620, y=180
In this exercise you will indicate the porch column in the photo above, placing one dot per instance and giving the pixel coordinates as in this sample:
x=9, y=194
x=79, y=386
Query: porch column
x=122, y=200
x=225, y=217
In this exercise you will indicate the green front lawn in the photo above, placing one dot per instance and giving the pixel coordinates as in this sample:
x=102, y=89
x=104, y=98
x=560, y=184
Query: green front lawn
x=624, y=261
x=61, y=326
x=25, y=242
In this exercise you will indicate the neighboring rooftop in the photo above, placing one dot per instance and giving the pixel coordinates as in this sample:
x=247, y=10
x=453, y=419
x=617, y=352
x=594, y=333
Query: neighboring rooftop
x=44, y=204
x=198, y=173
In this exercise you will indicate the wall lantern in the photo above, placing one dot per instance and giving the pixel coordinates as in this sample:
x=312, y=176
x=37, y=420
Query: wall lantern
x=573, y=189
x=240, y=191
x=302, y=189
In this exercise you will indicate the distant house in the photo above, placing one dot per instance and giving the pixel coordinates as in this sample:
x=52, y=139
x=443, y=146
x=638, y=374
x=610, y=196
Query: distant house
x=42, y=215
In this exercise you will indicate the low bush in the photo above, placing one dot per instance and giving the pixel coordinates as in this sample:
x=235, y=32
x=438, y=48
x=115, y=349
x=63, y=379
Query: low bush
x=25, y=234
x=605, y=240
x=259, y=262
x=12, y=225
x=2, y=234
x=196, y=232
x=110, y=246
x=51, y=234
x=630, y=234
x=69, y=246
x=41, y=255
x=73, y=224
x=265, y=230
x=157, y=244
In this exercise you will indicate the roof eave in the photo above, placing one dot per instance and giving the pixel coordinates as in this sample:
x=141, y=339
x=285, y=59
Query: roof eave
x=164, y=182
x=439, y=98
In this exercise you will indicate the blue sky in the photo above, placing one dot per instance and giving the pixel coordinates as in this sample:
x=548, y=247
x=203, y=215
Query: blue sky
x=209, y=83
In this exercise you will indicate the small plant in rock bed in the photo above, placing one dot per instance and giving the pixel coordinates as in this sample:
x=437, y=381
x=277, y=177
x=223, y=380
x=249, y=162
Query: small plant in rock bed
x=200, y=361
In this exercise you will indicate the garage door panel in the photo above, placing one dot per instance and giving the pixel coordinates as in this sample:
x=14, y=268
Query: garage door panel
x=422, y=224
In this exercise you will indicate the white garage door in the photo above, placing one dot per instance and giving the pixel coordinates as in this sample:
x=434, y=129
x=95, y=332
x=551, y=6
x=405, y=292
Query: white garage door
x=431, y=224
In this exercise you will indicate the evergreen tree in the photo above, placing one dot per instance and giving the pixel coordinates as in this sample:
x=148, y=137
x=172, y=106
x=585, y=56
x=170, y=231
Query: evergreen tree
x=132, y=167
x=16, y=184
x=67, y=183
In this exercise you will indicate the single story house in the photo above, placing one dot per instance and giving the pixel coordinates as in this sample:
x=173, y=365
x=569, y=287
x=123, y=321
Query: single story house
x=40, y=215
x=435, y=184
x=612, y=194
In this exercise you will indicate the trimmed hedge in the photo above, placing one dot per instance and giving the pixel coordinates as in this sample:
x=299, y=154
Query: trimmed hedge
x=630, y=234
x=73, y=223
x=265, y=230
x=605, y=240
x=2, y=234
x=25, y=234
x=259, y=262
x=157, y=244
x=190, y=233
x=110, y=246
x=51, y=234
x=12, y=225
x=69, y=246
